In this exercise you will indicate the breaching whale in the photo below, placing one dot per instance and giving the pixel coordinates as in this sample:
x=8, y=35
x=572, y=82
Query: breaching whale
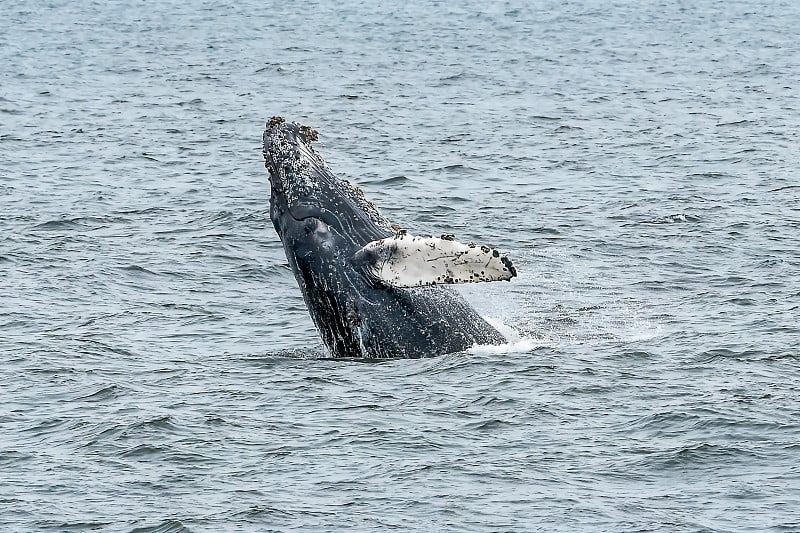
x=373, y=291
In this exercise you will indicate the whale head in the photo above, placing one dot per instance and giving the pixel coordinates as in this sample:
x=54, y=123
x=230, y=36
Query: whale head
x=305, y=194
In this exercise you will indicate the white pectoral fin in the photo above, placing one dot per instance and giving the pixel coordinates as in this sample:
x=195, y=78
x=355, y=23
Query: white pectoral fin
x=408, y=261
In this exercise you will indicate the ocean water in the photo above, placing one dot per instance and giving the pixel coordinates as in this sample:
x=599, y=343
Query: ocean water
x=638, y=161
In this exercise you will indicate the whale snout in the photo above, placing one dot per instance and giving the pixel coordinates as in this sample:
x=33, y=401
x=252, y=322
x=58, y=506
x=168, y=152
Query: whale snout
x=288, y=155
x=287, y=139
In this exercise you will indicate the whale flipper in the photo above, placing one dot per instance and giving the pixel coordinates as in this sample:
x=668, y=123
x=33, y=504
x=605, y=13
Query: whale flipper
x=407, y=261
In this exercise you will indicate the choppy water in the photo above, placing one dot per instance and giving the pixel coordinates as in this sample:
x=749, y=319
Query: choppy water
x=638, y=160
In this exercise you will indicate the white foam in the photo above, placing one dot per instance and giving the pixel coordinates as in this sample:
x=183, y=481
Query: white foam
x=516, y=343
x=524, y=345
x=559, y=300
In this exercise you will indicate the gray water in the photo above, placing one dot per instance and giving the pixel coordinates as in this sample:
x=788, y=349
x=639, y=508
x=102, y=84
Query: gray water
x=638, y=160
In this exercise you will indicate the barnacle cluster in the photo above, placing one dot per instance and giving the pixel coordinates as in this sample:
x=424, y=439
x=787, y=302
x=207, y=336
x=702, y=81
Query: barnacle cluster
x=289, y=170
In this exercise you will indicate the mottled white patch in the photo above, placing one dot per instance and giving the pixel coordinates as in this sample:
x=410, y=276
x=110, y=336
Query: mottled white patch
x=408, y=261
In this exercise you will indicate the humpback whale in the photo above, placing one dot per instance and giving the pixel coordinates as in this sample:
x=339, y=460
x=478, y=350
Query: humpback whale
x=372, y=289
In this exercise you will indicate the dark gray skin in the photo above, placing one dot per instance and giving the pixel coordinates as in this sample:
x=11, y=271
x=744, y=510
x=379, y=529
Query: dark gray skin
x=323, y=221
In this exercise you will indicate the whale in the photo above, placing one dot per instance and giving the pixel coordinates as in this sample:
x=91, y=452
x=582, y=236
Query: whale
x=373, y=290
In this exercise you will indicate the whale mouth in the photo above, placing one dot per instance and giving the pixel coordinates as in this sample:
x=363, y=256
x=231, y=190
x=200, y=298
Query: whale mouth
x=301, y=213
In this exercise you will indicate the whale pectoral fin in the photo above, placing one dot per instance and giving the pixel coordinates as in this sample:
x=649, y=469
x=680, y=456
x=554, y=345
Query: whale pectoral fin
x=408, y=261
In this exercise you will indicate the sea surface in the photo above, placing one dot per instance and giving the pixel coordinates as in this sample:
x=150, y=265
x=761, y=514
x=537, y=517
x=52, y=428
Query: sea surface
x=639, y=161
